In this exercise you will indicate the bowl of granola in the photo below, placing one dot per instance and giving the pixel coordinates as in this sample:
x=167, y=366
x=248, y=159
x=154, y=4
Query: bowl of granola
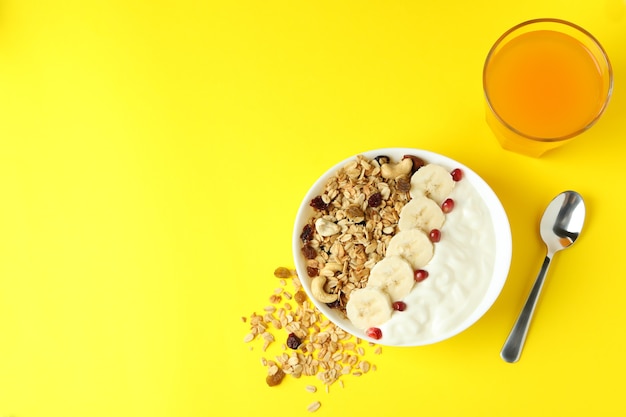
x=402, y=246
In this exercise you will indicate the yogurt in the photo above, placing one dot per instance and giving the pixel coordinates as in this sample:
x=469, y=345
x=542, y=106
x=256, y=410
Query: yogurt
x=459, y=274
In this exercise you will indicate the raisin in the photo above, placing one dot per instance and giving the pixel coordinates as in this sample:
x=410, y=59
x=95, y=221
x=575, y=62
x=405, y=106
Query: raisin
x=309, y=252
x=300, y=297
x=355, y=213
x=318, y=203
x=282, y=272
x=403, y=184
x=312, y=272
x=277, y=378
x=334, y=304
x=293, y=341
x=307, y=233
x=375, y=200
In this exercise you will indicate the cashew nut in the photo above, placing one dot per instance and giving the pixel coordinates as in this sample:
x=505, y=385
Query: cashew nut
x=391, y=171
x=326, y=228
x=320, y=294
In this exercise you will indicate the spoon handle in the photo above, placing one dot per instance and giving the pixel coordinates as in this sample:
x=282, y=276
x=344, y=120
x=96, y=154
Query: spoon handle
x=512, y=349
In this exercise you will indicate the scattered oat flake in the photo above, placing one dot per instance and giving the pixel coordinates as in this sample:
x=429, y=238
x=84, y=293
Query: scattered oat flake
x=314, y=406
x=311, y=388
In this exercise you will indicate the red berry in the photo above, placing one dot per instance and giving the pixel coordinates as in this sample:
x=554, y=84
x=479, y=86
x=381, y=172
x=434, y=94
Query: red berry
x=435, y=235
x=421, y=275
x=447, y=205
x=374, y=333
x=399, y=305
x=457, y=174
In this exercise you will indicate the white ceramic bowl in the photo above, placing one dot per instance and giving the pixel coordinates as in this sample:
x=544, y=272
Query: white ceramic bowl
x=501, y=257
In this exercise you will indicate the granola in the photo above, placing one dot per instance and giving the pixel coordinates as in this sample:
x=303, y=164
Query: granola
x=355, y=217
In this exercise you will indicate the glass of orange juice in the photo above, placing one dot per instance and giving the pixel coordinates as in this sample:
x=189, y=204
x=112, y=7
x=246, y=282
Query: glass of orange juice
x=545, y=82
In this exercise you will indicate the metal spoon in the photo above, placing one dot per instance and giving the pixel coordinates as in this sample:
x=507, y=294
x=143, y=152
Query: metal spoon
x=560, y=226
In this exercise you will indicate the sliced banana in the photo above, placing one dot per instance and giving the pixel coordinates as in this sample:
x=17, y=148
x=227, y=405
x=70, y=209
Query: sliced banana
x=394, y=276
x=413, y=245
x=421, y=213
x=432, y=181
x=368, y=307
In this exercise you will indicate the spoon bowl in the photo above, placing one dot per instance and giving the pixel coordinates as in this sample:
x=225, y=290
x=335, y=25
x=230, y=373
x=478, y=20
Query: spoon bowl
x=560, y=227
x=562, y=221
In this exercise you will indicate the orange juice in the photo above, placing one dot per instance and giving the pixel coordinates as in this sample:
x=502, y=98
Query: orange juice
x=545, y=85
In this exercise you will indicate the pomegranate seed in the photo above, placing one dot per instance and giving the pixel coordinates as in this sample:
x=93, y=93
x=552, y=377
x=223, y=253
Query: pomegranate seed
x=421, y=275
x=399, y=305
x=435, y=235
x=457, y=174
x=374, y=333
x=447, y=205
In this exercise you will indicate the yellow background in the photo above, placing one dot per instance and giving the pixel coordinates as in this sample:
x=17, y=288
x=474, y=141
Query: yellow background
x=152, y=158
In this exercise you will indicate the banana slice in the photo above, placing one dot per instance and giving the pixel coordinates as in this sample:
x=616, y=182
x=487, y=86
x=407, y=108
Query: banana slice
x=394, y=276
x=368, y=307
x=413, y=245
x=421, y=213
x=432, y=181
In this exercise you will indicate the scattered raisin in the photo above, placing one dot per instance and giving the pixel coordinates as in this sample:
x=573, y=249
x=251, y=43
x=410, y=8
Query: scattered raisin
x=318, y=203
x=282, y=272
x=307, y=233
x=277, y=378
x=403, y=184
x=309, y=252
x=312, y=272
x=293, y=341
x=375, y=200
x=300, y=297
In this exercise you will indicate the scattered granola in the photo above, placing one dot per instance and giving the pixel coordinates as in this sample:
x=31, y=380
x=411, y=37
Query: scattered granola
x=312, y=346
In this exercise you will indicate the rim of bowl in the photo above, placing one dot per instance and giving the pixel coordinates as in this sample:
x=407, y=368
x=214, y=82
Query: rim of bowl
x=500, y=224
